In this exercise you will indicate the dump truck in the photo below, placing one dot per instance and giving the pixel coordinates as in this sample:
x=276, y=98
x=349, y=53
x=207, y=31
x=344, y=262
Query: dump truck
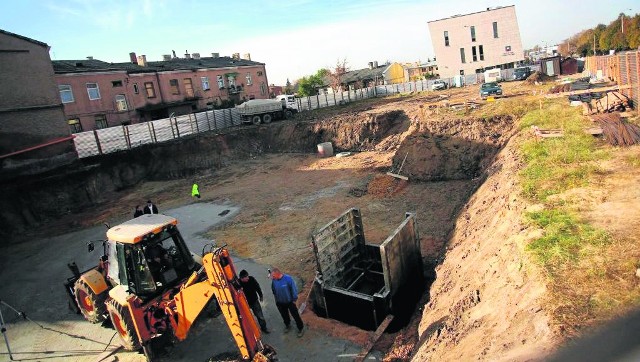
x=258, y=111
x=150, y=285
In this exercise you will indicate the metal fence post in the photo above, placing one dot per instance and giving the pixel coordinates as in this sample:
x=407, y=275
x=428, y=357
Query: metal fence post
x=95, y=134
x=326, y=101
x=125, y=132
x=334, y=99
x=215, y=123
x=153, y=131
x=206, y=114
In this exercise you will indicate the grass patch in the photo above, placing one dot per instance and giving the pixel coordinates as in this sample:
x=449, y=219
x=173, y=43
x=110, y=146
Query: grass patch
x=633, y=160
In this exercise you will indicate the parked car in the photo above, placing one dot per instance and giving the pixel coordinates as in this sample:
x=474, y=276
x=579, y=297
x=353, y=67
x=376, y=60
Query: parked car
x=438, y=84
x=490, y=89
x=521, y=73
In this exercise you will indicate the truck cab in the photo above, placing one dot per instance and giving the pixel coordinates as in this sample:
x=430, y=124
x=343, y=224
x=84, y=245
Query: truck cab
x=288, y=101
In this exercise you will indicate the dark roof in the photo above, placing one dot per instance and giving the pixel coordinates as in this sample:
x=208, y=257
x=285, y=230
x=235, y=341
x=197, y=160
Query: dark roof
x=364, y=74
x=477, y=12
x=94, y=65
x=24, y=38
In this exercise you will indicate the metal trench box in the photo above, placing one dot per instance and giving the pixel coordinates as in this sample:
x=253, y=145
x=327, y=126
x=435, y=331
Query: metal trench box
x=360, y=283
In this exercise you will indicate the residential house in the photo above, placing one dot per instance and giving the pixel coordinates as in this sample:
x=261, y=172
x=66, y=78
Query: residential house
x=471, y=43
x=373, y=75
x=418, y=70
x=98, y=94
x=32, y=121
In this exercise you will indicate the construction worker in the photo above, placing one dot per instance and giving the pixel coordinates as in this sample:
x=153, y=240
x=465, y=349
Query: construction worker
x=285, y=293
x=194, y=190
x=253, y=293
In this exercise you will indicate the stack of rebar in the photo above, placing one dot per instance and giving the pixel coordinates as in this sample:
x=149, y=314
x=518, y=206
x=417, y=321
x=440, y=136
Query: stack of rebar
x=617, y=131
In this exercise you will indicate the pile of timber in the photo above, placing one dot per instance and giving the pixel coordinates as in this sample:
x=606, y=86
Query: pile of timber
x=611, y=102
x=617, y=131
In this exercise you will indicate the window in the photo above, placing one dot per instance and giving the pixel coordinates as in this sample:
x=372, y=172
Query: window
x=101, y=121
x=121, y=103
x=93, y=91
x=462, y=59
x=232, y=80
x=263, y=88
x=151, y=92
x=188, y=87
x=495, y=29
x=74, y=125
x=481, y=51
x=507, y=48
x=474, y=54
x=173, y=85
x=446, y=38
x=136, y=90
x=249, y=80
x=116, y=83
x=259, y=73
x=473, y=33
x=66, y=94
x=220, y=82
x=205, y=83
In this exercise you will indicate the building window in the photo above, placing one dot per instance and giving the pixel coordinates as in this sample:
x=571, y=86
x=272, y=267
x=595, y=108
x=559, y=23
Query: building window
x=74, y=125
x=259, y=73
x=495, y=29
x=263, y=88
x=66, y=94
x=446, y=38
x=205, y=83
x=220, y=82
x=249, y=80
x=474, y=54
x=188, y=87
x=507, y=48
x=481, y=51
x=136, y=90
x=232, y=80
x=173, y=85
x=121, y=103
x=151, y=92
x=462, y=59
x=116, y=83
x=93, y=91
x=473, y=33
x=101, y=121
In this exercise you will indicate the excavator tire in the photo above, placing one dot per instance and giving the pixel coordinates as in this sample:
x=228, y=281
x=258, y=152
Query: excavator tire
x=91, y=306
x=122, y=322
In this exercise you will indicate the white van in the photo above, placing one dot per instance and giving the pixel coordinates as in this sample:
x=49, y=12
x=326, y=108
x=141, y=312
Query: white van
x=492, y=75
x=288, y=101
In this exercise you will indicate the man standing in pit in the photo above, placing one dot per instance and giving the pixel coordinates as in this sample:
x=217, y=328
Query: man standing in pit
x=252, y=291
x=286, y=293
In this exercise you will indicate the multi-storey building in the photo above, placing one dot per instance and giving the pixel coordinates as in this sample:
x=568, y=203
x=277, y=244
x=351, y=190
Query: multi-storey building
x=98, y=94
x=467, y=44
x=32, y=122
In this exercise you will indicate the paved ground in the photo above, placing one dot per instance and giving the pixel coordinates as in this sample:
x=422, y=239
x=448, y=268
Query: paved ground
x=32, y=282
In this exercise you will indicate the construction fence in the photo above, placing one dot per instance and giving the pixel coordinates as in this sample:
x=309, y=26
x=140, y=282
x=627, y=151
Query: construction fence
x=622, y=68
x=126, y=137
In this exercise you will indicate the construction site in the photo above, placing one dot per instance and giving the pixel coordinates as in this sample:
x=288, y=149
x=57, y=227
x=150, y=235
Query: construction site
x=406, y=235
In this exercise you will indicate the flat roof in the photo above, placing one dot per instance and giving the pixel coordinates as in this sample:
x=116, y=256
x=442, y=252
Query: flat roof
x=477, y=12
x=134, y=230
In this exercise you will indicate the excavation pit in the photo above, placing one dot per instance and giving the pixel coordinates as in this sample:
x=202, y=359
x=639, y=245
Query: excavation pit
x=360, y=283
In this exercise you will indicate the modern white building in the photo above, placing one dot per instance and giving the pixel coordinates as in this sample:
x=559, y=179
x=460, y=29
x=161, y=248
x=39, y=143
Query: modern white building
x=472, y=43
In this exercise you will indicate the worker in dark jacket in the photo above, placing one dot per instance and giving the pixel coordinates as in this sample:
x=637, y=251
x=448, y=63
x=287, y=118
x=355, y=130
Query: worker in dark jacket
x=150, y=208
x=252, y=291
x=285, y=293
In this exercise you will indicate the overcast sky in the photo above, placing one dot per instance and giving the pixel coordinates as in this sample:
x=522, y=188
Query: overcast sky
x=293, y=38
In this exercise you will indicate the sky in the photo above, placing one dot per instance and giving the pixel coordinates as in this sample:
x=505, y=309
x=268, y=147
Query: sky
x=293, y=38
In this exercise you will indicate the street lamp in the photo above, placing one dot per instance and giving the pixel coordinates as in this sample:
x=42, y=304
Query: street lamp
x=622, y=21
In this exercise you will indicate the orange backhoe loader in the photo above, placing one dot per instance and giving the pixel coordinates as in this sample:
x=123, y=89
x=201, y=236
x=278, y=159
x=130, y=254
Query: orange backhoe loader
x=150, y=285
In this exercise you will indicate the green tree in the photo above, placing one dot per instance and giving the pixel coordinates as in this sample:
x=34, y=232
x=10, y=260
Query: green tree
x=309, y=86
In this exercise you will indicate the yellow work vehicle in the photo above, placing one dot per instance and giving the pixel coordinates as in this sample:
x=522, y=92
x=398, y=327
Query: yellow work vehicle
x=150, y=285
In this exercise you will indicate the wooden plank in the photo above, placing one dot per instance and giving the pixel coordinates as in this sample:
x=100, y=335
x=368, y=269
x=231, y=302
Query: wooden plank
x=398, y=176
x=367, y=348
x=586, y=91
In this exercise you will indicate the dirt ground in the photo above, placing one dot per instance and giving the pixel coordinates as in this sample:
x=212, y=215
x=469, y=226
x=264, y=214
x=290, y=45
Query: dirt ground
x=488, y=299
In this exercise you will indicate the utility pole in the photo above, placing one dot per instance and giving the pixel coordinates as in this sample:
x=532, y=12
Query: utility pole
x=594, y=44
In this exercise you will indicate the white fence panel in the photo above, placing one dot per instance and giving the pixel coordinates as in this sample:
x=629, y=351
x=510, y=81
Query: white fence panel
x=112, y=139
x=163, y=130
x=139, y=134
x=86, y=145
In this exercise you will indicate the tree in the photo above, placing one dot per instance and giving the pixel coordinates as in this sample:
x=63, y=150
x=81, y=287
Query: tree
x=336, y=76
x=308, y=86
x=288, y=89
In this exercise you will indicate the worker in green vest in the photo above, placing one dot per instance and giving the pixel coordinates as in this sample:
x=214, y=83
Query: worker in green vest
x=194, y=190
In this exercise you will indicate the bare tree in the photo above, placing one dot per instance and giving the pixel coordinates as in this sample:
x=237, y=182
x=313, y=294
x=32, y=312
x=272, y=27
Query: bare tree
x=337, y=74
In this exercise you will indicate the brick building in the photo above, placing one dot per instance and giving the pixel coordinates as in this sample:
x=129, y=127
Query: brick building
x=467, y=44
x=32, y=122
x=98, y=94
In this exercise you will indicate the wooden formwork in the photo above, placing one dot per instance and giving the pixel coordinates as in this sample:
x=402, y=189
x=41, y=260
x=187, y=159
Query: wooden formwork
x=623, y=68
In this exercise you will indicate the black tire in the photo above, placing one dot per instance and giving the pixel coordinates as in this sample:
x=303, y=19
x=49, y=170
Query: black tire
x=267, y=118
x=91, y=306
x=256, y=120
x=288, y=114
x=122, y=322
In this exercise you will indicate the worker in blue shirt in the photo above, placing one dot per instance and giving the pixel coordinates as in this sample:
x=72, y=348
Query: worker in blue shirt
x=285, y=293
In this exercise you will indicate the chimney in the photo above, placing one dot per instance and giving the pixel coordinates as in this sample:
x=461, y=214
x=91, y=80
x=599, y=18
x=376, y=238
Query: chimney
x=236, y=56
x=187, y=55
x=90, y=57
x=370, y=65
x=375, y=64
x=196, y=55
x=247, y=56
x=142, y=60
x=166, y=57
x=174, y=54
x=215, y=55
x=133, y=58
